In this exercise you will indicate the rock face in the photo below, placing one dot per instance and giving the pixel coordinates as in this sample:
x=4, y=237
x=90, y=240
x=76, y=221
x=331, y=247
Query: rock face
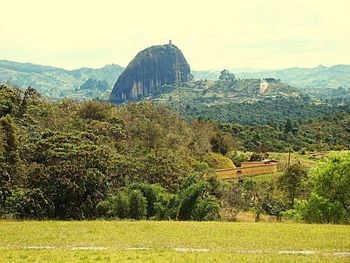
x=151, y=69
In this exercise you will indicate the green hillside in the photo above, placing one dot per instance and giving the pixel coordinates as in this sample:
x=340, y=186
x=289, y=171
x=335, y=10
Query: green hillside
x=57, y=83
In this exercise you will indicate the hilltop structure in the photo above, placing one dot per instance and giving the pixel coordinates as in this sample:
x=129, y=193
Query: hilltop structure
x=264, y=86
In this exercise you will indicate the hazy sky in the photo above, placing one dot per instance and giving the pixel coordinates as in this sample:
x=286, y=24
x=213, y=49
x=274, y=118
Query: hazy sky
x=212, y=34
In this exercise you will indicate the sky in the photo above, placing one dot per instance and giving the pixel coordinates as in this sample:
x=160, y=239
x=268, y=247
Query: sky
x=217, y=34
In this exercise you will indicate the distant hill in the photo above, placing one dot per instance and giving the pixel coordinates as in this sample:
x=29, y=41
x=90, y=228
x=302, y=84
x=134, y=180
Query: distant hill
x=206, y=74
x=55, y=83
x=320, y=77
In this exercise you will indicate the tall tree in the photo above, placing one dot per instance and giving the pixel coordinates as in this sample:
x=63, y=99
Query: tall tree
x=291, y=181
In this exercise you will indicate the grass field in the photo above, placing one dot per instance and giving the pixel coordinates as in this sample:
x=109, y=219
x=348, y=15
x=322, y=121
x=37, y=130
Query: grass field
x=150, y=241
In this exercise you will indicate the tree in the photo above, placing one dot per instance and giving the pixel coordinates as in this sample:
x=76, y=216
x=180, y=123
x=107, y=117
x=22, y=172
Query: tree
x=258, y=156
x=320, y=210
x=31, y=96
x=288, y=127
x=222, y=142
x=29, y=204
x=206, y=209
x=226, y=75
x=291, y=181
x=329, y=201
x=10, y=101
x=10, y=140
x=71, y=170
x=202, y=132
x=232, y=200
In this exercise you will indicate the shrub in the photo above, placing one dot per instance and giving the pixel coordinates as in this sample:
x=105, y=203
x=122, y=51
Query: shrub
x=206, y=209
x=137, y=205
x=151, y=193
x=218, y=161
x=318, y=210
x=166, y=206
x=119, y=205
x=29, y=204
x=102, y=208
x=238, y=158
x=188, y=199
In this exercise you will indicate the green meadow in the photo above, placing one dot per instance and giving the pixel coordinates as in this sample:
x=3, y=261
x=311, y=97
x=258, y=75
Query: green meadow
x=171, y=241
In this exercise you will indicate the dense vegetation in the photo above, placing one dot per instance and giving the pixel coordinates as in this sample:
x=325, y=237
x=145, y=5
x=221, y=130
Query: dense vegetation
x=263, y=123
x=59, y=160
x=77, y=160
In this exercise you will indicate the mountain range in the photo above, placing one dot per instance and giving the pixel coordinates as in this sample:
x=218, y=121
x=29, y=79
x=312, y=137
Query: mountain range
x=57, y=83
x=87, y=83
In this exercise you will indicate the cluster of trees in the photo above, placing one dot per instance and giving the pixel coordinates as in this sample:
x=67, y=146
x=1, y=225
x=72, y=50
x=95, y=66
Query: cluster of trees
x=323, y=135
x=262, y=124
x=59, y=160
x=270, y=111
x=83, y=160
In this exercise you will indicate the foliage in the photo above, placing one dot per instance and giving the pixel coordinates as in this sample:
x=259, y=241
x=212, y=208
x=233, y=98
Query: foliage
x=151, y=193
x=83, y=160
x=137, y=205
x=218, y=161
x=238, y=157
x=291, y=181
x=320, y=210
x=222, y=143
x=119, y=205
x=29, y=204
x=332, y=179
x=77, y=154
x=196, y=201
x=206, y=209
x=258, y=156
x=261, y=123
x=330, y=198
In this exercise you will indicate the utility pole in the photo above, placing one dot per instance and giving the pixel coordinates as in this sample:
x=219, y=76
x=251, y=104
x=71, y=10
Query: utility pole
x=180, y=109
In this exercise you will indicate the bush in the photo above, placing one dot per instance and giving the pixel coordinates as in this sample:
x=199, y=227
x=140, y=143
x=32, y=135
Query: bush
x=258, y=156
x=119, y=205
x=151, y=193
x=318, y=210
x=330, y=197
x=102, y=208
x=218, y=161
x=189, y=198
x=137, y=205
x=166, y=206
x=206, y=209
x=238, y=158
x=29, y=204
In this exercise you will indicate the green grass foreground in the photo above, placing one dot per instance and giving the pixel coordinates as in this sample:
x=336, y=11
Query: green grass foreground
x=74, y=241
